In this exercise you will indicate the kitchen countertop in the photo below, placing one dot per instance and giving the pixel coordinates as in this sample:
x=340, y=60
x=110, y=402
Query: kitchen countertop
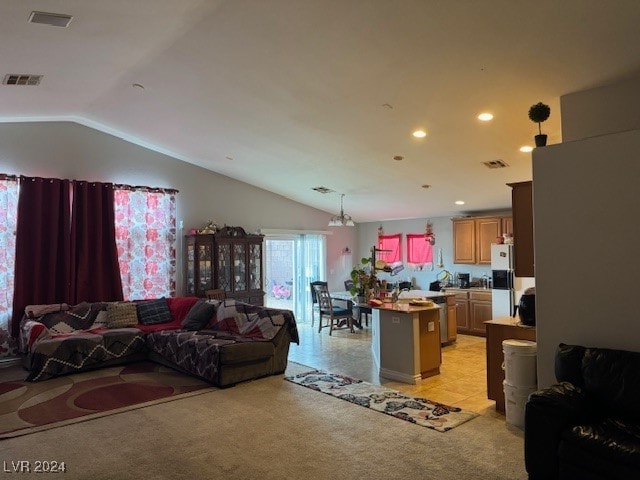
x=470, y=289
x=422, y=294
x=509, y=321
x=405, y=307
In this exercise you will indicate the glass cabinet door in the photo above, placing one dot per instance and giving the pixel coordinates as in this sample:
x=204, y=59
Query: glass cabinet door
x=205, y=268
x=240, y=267
x=190, y=277
x=224, y=266
x=255, y=266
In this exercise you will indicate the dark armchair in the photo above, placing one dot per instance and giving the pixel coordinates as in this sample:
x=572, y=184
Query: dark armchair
x=587, y=426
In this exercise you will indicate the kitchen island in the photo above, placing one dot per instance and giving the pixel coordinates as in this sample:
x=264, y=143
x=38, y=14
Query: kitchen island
x=406, y=341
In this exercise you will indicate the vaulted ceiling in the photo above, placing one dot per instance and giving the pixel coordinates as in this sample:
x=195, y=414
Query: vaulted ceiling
x=288, y=95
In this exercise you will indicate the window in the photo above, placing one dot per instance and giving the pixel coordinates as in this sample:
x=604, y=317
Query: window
x=393, y=245
x=145, y=221
x=8, y=223
x=419, y=251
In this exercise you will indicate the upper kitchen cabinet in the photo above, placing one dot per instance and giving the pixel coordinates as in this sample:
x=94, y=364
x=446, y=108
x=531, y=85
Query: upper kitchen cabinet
x=464, y=243
x=507, y=225
x=522, y=206
x=473, y=236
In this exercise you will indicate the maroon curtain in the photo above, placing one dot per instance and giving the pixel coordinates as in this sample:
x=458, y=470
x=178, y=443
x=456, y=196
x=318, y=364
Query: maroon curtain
x=42, y=245
x=95, y=274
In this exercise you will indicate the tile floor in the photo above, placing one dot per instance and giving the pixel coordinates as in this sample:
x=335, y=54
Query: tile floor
x=463, y=375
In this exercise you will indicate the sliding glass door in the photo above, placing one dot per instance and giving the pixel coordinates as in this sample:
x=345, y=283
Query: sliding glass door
x=291, y=263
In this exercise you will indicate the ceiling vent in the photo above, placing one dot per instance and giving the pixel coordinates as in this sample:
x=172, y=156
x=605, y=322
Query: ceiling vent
x=322, y=189
x=495, y=164
x=51, y=19
x=21, y=79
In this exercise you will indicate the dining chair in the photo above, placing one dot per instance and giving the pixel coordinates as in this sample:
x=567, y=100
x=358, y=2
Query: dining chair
x=314, y=298
x=216, y=294
x=360, y=310
x=336, y=315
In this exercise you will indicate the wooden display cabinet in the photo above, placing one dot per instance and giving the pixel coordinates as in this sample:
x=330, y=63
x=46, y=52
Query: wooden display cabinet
x=230, y=259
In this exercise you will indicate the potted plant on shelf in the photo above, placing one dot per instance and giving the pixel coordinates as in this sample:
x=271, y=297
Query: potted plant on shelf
x=539, y=113
x=363, y=278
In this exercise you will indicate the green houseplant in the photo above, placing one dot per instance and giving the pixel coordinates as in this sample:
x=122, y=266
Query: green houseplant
x=539, y=113
x=363, y=278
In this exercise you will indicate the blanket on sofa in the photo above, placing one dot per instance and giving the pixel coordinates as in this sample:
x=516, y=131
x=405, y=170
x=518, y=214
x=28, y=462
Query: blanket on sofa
x=71, y=353
x=253, y=321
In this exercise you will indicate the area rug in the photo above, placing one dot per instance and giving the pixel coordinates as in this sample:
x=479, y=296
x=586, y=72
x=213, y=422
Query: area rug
x=412, y=409
x=28, y=407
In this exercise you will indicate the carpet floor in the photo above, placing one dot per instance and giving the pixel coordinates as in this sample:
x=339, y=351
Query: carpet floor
x=28, y=407
x=270, y=429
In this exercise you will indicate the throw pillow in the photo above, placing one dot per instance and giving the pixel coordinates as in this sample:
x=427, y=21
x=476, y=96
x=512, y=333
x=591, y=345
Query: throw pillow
x=122, y=315
x=152, y=312
x=102, y=320
x=199, y=316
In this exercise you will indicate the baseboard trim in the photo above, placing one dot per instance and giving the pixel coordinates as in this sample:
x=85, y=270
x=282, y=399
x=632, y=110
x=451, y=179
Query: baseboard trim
x=399, y=376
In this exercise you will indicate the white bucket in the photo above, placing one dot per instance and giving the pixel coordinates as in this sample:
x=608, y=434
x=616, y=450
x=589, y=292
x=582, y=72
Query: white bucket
x=515, y=398
x=520, y=363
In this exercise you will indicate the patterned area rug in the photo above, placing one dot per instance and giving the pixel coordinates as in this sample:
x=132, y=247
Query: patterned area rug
x=27, y=407
x=412, y=409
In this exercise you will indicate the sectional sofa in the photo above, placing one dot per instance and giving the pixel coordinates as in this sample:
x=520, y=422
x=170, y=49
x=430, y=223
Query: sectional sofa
x=223, y=342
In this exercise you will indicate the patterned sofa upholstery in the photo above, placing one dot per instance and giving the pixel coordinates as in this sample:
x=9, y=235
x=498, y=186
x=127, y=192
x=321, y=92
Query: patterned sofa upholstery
x=238, y=343
x=243, y=342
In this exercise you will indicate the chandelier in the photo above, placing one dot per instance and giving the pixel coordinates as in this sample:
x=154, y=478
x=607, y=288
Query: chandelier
x=341, y=220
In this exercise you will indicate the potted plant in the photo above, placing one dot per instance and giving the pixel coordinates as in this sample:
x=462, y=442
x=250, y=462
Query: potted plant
x=363, y=278
x=539, y=113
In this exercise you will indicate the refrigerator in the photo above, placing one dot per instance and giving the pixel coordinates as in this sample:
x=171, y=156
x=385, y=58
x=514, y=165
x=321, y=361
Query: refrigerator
x=502, y=281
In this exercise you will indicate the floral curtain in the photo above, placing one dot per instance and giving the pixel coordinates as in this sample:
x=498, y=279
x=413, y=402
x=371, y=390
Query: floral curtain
x=8, y=225
x=145, y=222
x=419, y=251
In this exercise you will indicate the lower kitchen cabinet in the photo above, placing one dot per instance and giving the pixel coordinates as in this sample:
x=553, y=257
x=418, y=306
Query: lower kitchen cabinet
x=480, y=311
x=473, y=308
x=452, y=323
x=462, y=312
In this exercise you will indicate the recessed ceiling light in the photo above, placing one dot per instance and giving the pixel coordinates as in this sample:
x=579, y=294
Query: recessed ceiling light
x=459, y=202
x=485, y=116
x=419, y=134
x=526, y=149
